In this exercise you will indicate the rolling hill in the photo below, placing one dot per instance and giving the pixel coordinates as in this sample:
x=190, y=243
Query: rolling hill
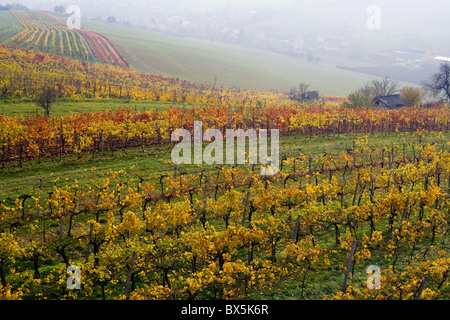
x=207, y=62
x=183, y=58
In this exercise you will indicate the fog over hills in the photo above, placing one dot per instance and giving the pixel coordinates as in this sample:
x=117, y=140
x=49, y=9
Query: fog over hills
x=409, y=36
x=202, y=18
x=398, y=16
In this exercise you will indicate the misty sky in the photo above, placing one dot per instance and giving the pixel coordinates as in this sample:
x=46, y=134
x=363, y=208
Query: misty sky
x=427, y=12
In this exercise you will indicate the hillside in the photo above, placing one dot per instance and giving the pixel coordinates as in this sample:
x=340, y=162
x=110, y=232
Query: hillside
x=187, y=59
x=43, y=31
x=203, y=61
x=24, y=73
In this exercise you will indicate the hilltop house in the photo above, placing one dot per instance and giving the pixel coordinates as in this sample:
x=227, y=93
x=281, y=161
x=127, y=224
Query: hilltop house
x=391, y=102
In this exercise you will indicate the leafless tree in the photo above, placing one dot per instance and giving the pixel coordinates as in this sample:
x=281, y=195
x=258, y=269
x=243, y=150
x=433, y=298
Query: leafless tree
x=296, y=92
x=46, y=97
x=439, y=85
x=383, y=87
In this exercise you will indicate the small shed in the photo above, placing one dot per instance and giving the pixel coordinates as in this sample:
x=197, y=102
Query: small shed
x=391, y=102
x=310, y=95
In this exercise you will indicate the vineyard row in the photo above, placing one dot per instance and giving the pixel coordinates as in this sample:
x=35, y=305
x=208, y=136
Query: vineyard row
x=240, y=241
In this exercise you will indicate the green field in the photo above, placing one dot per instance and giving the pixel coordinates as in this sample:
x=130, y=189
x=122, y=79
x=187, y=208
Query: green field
x=154, y=161
x=203, y=61
x=26, y=107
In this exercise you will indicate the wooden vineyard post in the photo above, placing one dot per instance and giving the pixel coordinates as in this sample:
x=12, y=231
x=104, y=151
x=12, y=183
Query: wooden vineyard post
x=126, y=140
x=61, y=224
x=438, y=175
x=422, y=287
x=130, y=273
x=354, y=154
x=334, y=127
x=349, y=265
x=310, y=169
x=102, y=141
x=387, y=125
x=175, y=171
x=356, y=189
x=338, y=124
x=3, y=153
x=205, y=193
x=205, y=203
x=38, y=206
x=88, y=247
x=390, y=160
x=296, y=229
x=247, y=196
x=61, y=135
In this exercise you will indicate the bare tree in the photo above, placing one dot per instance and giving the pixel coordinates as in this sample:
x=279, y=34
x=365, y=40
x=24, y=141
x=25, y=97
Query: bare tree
x=439, y=85
x=296, y=92
x=303, y=87
x=383, y=87
x=46, y=97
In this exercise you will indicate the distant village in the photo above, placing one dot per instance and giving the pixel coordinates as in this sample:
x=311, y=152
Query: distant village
x=258, y=29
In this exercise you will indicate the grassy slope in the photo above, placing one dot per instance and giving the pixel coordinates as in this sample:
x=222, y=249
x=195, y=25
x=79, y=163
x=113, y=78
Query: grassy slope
x=24, y=107
x=202, y=61
x=155, y=161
